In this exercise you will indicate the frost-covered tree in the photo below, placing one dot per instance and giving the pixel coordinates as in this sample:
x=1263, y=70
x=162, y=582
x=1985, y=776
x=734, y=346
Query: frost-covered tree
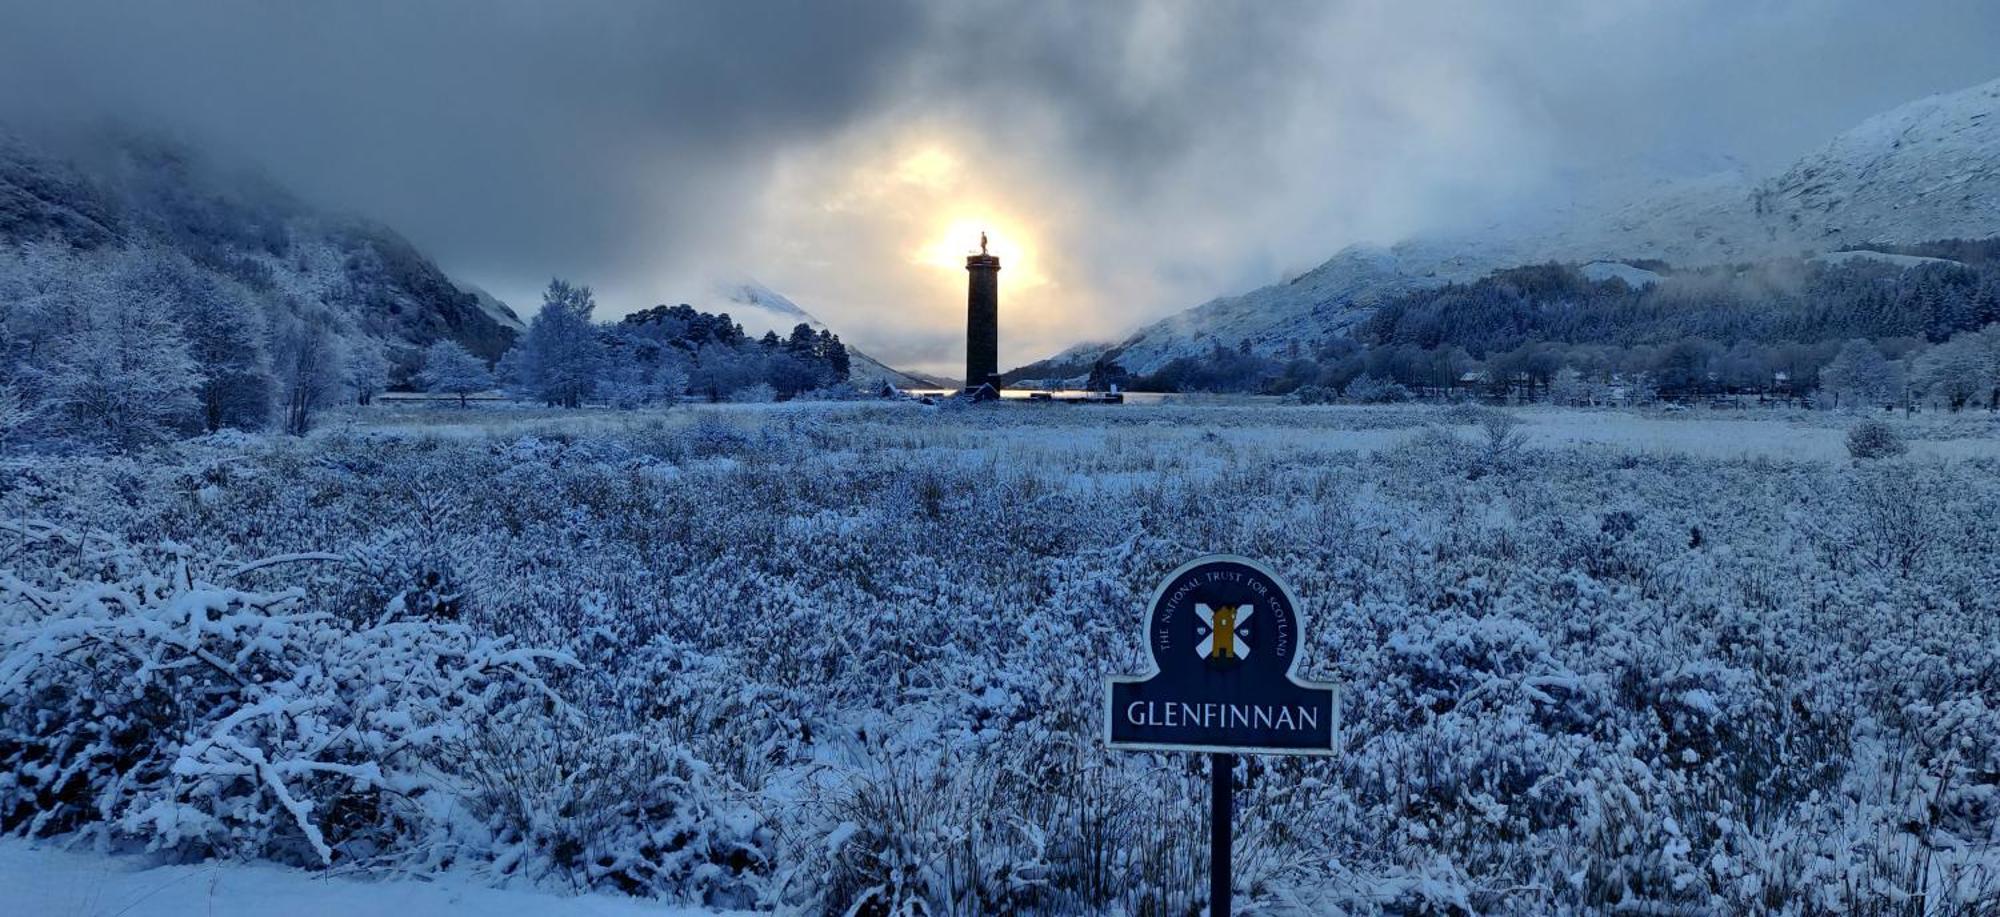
x=117, y=374
x=367, y=370
x=562, y=355
x=224, y=326
x=453, y=370
x=509, y=372
x=309, y=365
x=1568, y=387
x=38, y=284
x=647, y=364
x=1989, y=348
x=1956, y=371
x=1859, y=374
x=635, y=386
x=723, y=370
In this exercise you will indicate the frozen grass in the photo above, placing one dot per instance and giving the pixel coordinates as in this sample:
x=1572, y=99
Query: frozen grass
x=1771, y=433
x=1723, y=671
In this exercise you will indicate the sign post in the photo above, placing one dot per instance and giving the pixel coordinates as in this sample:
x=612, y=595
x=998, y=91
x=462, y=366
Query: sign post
x=1224, y=635
x=1221, y=834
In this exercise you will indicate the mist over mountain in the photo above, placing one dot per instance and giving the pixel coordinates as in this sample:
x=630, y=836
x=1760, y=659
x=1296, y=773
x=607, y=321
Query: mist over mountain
x=120, y=190
x=1925, y=170
x=759, y=309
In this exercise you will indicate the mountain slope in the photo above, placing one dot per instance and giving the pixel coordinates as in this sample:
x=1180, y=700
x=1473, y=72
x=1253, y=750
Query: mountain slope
x=500, y=312
x=121, y=190
x=1929, y=169
x=1926, y=170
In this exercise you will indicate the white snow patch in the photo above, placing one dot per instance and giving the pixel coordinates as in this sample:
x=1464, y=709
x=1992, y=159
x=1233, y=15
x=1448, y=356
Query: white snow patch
x=41, y=880
x=1884, y=257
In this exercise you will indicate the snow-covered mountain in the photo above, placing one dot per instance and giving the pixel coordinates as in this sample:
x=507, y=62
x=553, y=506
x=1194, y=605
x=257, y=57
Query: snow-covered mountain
x=1929, y=169
x=495, y=309
x=759, y=308
x=1926, y=170
x=123, y=190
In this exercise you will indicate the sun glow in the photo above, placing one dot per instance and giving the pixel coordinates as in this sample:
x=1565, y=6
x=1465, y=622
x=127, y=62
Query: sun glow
x=875, y=236
x=960, y=238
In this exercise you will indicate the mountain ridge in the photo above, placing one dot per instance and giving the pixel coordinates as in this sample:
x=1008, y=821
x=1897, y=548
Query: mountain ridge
x=1927, y=169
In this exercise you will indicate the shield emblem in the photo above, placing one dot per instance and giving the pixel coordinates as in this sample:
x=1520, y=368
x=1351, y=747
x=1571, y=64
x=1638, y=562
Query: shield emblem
x=1222, y=630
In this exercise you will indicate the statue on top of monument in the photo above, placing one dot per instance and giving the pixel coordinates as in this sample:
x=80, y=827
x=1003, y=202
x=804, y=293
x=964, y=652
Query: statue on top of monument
x=982, y=242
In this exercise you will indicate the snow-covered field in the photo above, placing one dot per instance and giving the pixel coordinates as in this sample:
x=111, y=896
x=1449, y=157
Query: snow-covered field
x=809, y=657
x=47, y=882
x=1722, y=433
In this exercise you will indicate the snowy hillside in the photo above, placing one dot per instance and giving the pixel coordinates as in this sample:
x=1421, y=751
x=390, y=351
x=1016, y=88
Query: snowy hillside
x=1926, y=170
x=121, y=190
x=1929, y=169
x=495, y=309
x=759, y=308
x=1323, y=302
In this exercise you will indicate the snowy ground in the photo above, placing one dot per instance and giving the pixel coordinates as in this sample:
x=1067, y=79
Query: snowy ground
x=1770, y=433
x=41, y=881
x=806, y=656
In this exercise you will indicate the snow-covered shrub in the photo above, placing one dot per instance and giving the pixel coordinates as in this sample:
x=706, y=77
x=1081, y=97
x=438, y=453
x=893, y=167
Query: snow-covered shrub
x=1314, y=394
x=1367, y=389
x=1875, y=439
x=596, y=808
x=754, y=393
x=1039, y=823
x=178, y=710
x=1503, y=434
x=853, y=653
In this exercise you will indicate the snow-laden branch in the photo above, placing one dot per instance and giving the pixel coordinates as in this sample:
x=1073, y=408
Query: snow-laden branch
x=305, y=557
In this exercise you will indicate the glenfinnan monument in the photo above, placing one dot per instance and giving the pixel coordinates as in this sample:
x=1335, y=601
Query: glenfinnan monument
x=982, y=319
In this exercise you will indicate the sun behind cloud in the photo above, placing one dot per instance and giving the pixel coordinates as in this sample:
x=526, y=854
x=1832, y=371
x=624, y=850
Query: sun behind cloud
x=872, y=237
x=960, y=237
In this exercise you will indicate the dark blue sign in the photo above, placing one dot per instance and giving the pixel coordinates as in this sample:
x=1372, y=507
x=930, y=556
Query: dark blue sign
x=1224, y=634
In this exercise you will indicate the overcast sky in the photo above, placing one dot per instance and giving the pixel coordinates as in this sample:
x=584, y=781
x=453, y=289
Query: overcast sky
x=1131, y=159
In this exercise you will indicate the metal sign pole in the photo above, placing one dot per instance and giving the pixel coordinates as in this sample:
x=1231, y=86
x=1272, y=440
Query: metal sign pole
x=1224, y=637
x=1221, y=807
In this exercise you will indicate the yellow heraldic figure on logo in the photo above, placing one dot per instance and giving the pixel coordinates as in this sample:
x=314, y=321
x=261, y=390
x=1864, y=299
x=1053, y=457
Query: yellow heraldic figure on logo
x=1224, y=623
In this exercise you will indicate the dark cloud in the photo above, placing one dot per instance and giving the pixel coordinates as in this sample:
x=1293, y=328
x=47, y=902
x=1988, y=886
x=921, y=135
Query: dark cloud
x=1155, y=153
x=513, y=139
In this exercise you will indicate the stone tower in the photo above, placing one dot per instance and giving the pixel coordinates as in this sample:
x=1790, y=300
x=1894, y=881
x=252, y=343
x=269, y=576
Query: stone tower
x=982, y=319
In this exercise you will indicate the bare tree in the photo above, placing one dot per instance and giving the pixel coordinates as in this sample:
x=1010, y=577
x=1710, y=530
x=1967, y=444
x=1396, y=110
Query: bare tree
x=367, y=370
x=1503, y=434
x=309, y=368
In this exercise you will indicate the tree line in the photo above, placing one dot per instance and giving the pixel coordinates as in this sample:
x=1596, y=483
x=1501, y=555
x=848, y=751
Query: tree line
x=659, y=354
x=126, y=348
x=1821, y=331
x=129, y=347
